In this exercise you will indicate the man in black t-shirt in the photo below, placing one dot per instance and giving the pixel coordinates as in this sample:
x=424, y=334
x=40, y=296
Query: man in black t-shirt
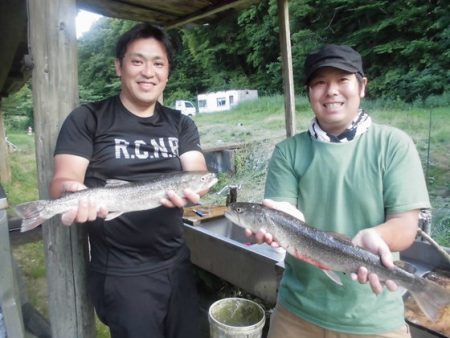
x=140, y=277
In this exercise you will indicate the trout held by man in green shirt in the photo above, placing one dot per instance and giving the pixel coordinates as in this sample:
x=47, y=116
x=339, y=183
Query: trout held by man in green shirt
x=334, y=252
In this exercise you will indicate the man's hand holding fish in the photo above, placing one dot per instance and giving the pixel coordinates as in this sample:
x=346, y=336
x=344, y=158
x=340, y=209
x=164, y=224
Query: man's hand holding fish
x=87, y=210
x=173, y=200
x=368, y=239
x=263, y=236
x=371, y=240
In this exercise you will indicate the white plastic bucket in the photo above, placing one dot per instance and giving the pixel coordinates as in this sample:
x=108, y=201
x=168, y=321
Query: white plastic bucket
x=236, y=318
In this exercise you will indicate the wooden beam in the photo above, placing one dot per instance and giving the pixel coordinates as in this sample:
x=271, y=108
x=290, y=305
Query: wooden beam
x=209, y=11
x=55, y=94
x=287, y=69
x=10, y=301
x=170, y=14
x=126, y=11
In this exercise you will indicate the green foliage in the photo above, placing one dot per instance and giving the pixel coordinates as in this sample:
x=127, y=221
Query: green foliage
x=437, y=100
x=18, y=109
x=96, y=54
x=184, y=77
x=440, y=233
x=177, y=94
x=405, y=45
x=23, y=186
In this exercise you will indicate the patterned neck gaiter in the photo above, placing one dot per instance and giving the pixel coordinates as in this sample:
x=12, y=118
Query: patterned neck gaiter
x=359, y=126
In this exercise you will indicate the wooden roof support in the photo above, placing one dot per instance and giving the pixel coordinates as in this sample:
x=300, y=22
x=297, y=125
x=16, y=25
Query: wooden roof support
x=287, y=69
x=210, y=11
x=9, y=291
x=55, y=94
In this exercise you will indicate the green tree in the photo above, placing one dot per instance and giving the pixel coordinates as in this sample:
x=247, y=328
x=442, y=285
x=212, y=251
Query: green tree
x=96, y=53
x=18, y=109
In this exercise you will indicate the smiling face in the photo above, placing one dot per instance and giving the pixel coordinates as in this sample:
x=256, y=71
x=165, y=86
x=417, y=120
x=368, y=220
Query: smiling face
x=144, y=71
x=335, y=97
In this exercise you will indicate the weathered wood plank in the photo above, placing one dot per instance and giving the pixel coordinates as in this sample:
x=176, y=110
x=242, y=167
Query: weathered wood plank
x=287, y=68
x=126, y=11
x=55, y=94
x=10, y=301
x=168, y=13
x=207, y=12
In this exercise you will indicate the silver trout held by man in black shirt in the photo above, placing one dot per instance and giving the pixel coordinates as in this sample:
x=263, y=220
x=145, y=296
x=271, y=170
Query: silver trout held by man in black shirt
x=333, y=252
x=117, y=196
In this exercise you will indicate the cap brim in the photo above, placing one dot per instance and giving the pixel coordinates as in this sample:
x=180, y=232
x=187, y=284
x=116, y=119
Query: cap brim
x=338, y=65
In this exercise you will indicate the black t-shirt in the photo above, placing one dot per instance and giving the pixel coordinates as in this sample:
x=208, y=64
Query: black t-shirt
x=121, y=145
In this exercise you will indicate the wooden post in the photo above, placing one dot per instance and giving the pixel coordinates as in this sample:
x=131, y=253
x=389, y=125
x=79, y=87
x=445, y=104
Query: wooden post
x=9, y=291
x=5, y=170
x=55, y=94
x=286, y=63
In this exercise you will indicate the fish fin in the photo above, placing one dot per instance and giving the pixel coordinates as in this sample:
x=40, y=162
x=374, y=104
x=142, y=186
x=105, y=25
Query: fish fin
x=30, y=224
x=341, y=238
x=432, y=300
x=30, y=212
x=68, y=193
x=113, y=215
x=115, y=183
x=405, y=266
x=333, y=276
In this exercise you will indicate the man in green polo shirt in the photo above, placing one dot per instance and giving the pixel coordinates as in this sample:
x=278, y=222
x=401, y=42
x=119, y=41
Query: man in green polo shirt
x=349, y=175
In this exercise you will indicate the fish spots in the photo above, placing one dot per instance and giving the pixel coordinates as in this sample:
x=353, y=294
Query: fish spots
x=153, y=148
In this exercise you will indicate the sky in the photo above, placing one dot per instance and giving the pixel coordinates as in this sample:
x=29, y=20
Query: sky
x=84, y=20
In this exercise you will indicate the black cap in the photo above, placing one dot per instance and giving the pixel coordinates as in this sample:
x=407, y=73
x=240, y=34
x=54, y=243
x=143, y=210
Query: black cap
x=336, y=56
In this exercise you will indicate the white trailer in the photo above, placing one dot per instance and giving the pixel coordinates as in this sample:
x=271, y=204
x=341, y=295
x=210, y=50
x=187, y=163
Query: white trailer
x=224, y=100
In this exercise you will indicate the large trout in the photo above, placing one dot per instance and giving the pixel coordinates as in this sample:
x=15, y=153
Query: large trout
x=117, y=196
x=332, y=252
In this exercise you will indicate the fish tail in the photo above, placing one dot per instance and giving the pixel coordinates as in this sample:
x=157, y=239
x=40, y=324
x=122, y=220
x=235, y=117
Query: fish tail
x=432, y=299
x=31, y=214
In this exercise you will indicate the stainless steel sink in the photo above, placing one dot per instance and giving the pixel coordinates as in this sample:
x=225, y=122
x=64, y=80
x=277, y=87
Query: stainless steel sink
x=220, y=247
x=224, y=228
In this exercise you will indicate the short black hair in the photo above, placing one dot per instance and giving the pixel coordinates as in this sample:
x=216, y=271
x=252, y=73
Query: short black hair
x=143, y=31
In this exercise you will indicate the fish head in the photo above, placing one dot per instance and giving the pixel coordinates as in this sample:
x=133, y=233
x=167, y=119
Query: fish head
x=200, y=181
x=245, y=215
